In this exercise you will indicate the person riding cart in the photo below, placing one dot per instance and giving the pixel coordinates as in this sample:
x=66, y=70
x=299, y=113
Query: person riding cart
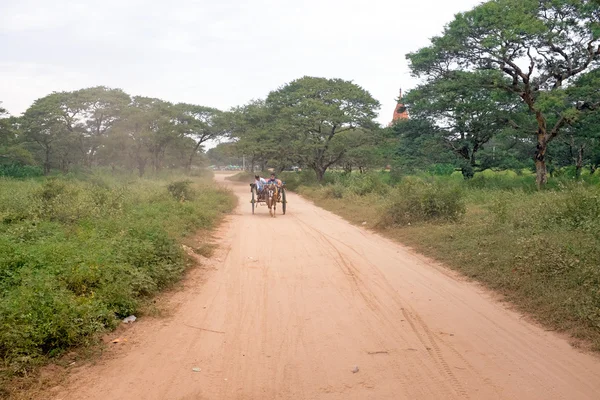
x=262, y=194
x=273, y=179
x=260, y=184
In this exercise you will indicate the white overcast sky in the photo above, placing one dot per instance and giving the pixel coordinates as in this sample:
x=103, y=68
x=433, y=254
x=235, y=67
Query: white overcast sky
x=219, y=53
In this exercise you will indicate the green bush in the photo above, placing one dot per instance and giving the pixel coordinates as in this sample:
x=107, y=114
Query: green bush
x=335, y=191
x=362, y=184
x=415, y=200
x=181, y=190
x=442, y=169
x=20, y=171
x=574, y=206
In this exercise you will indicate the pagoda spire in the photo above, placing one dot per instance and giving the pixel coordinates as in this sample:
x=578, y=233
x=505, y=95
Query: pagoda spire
x=400, y=110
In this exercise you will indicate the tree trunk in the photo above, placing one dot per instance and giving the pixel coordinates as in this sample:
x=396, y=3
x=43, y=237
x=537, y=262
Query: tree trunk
x=47, y=161
x=540, y=159
x=467, y=172
x=320, y=171
x=141, y=166
x=189, y=164
x=579, y=164
x=251, y=165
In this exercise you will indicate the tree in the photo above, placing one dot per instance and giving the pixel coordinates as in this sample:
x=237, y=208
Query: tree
x=253, y=128
x=200, y=124
x=318, y=110
x=466, y=114
x=147, y=128
x=419, y=145
x=367, y=149
x=49, y=123
x=539, y=45
x=11, y=150
x=99, y=110
x=6, y=131
x=224, y=154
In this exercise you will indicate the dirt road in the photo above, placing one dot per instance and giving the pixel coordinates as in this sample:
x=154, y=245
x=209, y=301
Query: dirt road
x=294, y=304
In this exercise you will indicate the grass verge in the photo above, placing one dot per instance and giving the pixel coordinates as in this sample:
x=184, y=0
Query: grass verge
x=79, y=254
x=540, y=250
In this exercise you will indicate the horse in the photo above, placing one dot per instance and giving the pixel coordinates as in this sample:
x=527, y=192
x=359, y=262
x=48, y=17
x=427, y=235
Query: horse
x=271, y=195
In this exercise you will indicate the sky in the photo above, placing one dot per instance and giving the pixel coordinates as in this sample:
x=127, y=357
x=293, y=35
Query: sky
x=219, y=53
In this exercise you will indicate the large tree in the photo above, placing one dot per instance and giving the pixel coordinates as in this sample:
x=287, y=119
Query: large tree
x=200, y=124
x=11, y=149
x=148, y=127
x=466, y=114
x=539, y=45
x=418, y=146
x=254, y=128
x=224, y=154
x=50, y=123
x=317, y=111
x=99, y=110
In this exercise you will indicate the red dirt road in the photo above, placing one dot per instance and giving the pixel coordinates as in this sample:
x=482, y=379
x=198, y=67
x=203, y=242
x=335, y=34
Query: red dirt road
x=293, y=304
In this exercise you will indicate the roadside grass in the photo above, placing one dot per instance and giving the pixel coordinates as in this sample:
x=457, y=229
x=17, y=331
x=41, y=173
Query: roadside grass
x=539, y=249
x=79, y=253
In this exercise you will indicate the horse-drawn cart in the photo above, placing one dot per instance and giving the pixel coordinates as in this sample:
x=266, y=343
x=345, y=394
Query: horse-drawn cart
x=270, y=196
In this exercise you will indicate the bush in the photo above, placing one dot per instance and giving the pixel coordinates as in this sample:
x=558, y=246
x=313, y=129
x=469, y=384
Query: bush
x=20, y=171
x=335, y=191
x=442, y=169
x=501, y=180
x=416, y=201
x=363, y=184
x=181, y=190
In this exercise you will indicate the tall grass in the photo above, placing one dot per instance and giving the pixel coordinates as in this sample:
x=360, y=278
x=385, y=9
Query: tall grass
x=79, y=253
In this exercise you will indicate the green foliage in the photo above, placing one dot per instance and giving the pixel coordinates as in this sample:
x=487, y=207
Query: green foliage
x=78, y=254
x=415, y=200
x=441, y=169
x=466, y=114
x=106, y=127
x=318, y=111
x=361, y=184
x=181, y=190
x=20, y=171
x=529, y=50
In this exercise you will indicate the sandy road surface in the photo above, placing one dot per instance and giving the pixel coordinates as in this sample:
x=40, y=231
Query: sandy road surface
x=294, y=303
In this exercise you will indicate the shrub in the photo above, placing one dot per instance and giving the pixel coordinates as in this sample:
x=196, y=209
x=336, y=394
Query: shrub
x=442, y=169
x=417, y=200
x=335, y=191
x=181, y=191
x=20, y=171
x=363, y=184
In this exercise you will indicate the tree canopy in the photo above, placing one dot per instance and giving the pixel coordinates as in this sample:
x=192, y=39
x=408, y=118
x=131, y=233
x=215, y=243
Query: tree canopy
x=534, y=49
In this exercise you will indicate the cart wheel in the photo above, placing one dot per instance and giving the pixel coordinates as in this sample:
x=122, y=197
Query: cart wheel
x=254, y=197
x=283, y=201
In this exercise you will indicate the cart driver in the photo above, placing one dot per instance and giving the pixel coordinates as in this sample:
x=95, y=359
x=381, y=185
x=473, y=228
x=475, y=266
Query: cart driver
x=273, y=179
